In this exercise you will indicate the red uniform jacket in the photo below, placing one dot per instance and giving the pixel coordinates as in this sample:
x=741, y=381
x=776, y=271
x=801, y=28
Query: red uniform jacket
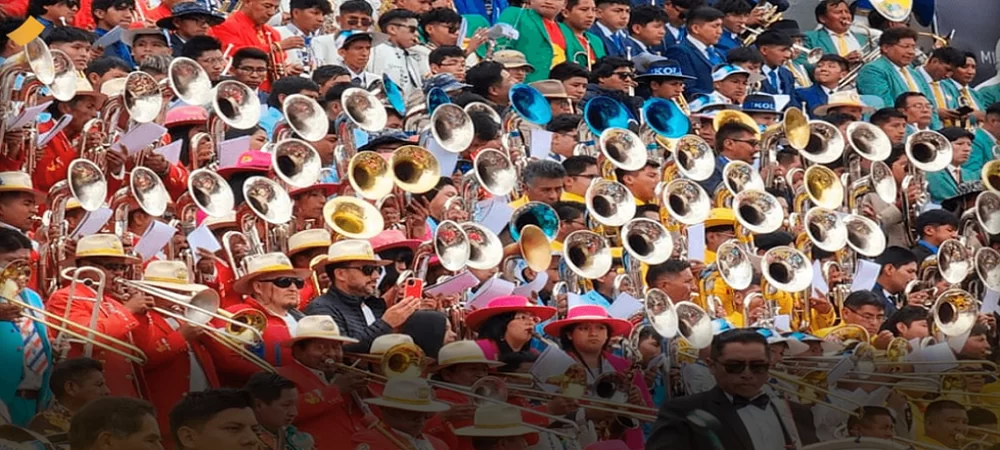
x=306, y=294
x=375, y=440
x=123, y=378
x=331, y=418
x=223, y=284
x=445, y=431
x=241, y=32
x=169, y=367
x=234, y=370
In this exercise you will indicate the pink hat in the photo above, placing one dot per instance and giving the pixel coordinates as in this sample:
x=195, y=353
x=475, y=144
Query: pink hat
x=249, y=161
x=328, y=189
x=185, y=115
x=500, y=305
x=391, y=239
x=589, y=313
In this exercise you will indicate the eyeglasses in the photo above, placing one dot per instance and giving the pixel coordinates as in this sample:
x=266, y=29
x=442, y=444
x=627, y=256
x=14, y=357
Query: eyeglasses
x=286, y=282
x=752, y=142
x=366, y=270
x=869, y=317
x=412, y=28
x=252, y=69
x=213, y=60
x=624, y=75
x=738, y=367
x=354, y=21
x=527, y=317
x=453, y=28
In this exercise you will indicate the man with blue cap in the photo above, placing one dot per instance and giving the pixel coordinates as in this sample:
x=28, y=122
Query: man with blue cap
x=762, y=108
x=730, y=83
x=665, y=79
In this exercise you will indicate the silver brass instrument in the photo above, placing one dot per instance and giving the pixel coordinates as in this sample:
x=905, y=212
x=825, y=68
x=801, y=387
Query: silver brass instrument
x=211, y=193
x=928, y=151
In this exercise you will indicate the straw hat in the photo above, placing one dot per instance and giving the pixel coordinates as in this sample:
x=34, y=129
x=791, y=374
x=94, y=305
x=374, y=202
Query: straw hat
x=17, y=181
x=113, y=87
x=226, y=221
x=318, y=327
x=269, y=264
x=496, y=420
x=589, y=313
x=462, y=352
x=308, y=239
x=172, y=275
x=382, y=344
x=83, y=88
x=103, y=246
x=507, y=304
x=410, y=394
x=349, y=250
x=550, y=88
x=844, y=98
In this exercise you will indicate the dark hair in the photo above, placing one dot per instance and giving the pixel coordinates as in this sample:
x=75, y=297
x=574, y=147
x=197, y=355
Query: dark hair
x=981, y=416
x=767, y=241
x=703, y=14
x=442, y=182
x=495, y=327
x=438, y=55
x=335, y=92
x=393, y=15
x=867, y=412
x=542, y=168
x=774, y=38
x=882, y=116
x=568, y=211
x=485, y=128
x=67, y=34
x=606, y=66
x=837, y=119
x=567, y=70
x=120, y=416
x=955, y=133
x=12, y=240
x=939, y=406
x=892, y=36
x=75, y=370
x=903, y=99
x=612, y=2
x=620, y=173
x=950, y=56
x=896, y=257
x=267, y=387
x=576, y=164
x=567, y=345
x=669, y=267
x=322, y=74
x=905, y=315
x=356, y=6
x=833, y=57
x=7, y=26
x=439, y=15
x=322, y=5
x=734, y=7
x=729, y=130
x=564, y=123
x=288, y=86
x=857, y=299
x=686, y=4
x=825, y=5
x=979, y=329
x=427, y=327
x=935, y=218
x=104, y=5
x=196, y=408
x=993, y=110
x=736, y=336
x=37, y=7
x=483, y=76
x=246, y=53
x=199, y=45
x=740, y=55
x=646, y=14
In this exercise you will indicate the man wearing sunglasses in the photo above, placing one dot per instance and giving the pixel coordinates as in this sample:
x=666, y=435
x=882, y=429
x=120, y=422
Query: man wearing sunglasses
x=397, y=57
x=352, y=299
x=733, y=142
x=753, y=415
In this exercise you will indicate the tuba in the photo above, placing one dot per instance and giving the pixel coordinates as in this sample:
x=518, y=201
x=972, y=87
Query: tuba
x=211, y=193
x=141, y=97
x=296, y=162
x=647, y=240
x=305, y=117
x=610, y=203
x=825, y=229
x=928, y=151
x=758, y=211
x=452, y=128
x=353, y=218
x=955, y=312
x=623, y=148
x=587, y=254
x=686, y=201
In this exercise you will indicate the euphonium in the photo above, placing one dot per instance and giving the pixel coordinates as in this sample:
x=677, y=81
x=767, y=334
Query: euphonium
x=647, y=240
x=789, y=270
x=236, y=104
x=363, y=109
x=305, y=117
x=928, y=151
x=693, y=158
x=758, y=211
x=955, y=312
x=610, y=203
x=587, y=254
x=623, y=148
x=686, y=201
x=353, y=218
x=296, y=162
x=485, y=249
x=149, y=191
x=954, y=261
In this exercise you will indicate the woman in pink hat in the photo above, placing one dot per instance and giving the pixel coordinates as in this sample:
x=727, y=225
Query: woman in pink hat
x=585, y=334
x=506, y=325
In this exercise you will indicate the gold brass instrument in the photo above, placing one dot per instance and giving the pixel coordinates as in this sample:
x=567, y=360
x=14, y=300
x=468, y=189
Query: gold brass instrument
x=824, y=187
x=730, y=115
x=353, y=218
x=794, y=127
x=368, y=173
x=869, y=53
x=414, y=169
x=928, y=151
x=991, y=175
x=296, y=162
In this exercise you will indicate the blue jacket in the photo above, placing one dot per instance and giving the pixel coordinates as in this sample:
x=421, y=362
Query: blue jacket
x=787, y=85
x=479, y=7
x=713, y=182
x=694, y=63
x=117, y=49
x=727, y=42
x=813, y=96
x=668, y=41
x=613, y=48
x=635, y=48
x=12, y=361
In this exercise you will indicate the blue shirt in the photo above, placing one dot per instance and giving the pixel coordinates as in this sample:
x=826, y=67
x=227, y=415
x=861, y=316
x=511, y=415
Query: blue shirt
x=117, y=49
x=933, y=248
x=269, y=119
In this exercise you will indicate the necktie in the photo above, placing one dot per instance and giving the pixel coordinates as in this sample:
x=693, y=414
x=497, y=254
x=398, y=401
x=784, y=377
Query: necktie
x=775, y=81
x=618, y=42
x=842, y=48
x=356, y=81
x=714, y=56
x=970, y=99
x=760, y=401
x=938, y=95
x=34, y=351
x=909, y=80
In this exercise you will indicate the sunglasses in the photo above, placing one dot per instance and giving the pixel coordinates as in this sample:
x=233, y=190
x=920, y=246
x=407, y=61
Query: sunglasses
x=412, y=28
x=737, y=367
x=624, y=75
x=114, y=267
x=354, y=21
x=286, y=282
x=366, y=270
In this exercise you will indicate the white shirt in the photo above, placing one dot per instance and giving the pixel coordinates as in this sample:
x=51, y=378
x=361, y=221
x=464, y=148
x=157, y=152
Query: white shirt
x=766, y=71
x=763, y=425
x=402, y=65
x=298, y=55
x=700, y=46
x=697, y=378
x=903, y=75
x=292, y=324
x=30, y=380
x=199, y=381
x=369, y=315
x=852, y=41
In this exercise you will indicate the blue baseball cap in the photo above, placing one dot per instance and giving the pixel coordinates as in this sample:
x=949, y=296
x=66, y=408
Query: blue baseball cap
x=665, y=68
x=724, y=71
x=446, y=81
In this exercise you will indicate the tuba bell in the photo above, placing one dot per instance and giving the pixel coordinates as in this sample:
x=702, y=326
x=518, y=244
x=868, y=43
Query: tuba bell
x=731, y=115
x=786, y=269
x=363, y=109
x=452, y=245
x=659, y=311
x=368, y=173
x=211, y=193
x=189, y=81
x=868, y=141
x=142, y=97
x=305, y=117
x=991, y=175
x=988, y=211
x=955, y=312
x=735, y=266
x=268, y=200
x=610, y=203
x=485, y=249
x=954, y=261
x=452, y=128
x=738, y=176
x=587, y=254
x=825, y=229
x=647, y=240
x=535, y=248
x=686, y=201
x=601, y=113
x=826, y=143
x=414, y=169
x=149, y=191
x=538, y=214
x=87, y=184
x=353, y=218
x=63, y=87
x=695, y=159
x=824, y=187
x=495, y=172
x=296, y=162
x=665, y=118
x=928, y=151
x=236, y=104
x=529, y=104
x=988, y=267
x=758, y=211
x=623, y=148
x=864, y=235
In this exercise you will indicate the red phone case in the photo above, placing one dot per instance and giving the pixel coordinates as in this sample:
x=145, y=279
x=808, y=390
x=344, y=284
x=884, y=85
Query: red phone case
x=414, y=287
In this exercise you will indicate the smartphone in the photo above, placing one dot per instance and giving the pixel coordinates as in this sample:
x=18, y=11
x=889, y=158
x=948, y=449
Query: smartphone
x=413, y=287
x=965, y=110
x=463, y=166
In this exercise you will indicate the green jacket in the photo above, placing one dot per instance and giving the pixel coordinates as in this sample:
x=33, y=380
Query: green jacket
x=821, y=39
x=576, y=52
x=534, y=41
x=473, y=23
x=942, y=185
x=982, y=152
x=989, y=95
x=881, y=79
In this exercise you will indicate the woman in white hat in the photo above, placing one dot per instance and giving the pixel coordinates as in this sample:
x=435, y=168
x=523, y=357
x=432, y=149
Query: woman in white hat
x=406, y=405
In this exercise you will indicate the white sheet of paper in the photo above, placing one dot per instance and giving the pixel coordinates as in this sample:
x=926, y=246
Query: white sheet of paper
x=493, y=288
x=497, y=214
x=526, y=289
x=783, y=322
x=553, y=362
x=574, y=299
x=139, y=137
x=447, y=160
x=110, y=37
x=840, y=369
x=696, y=242
x=624, y=306
x=865, y=275
x=462, y=31
x=46, y=137
x=991, y=301
x=230, y=151
x=92, y=223
x=171, y=152
x=202, y=237
x=454, y=285
x=153, y=240
x=819, y=283
x=27, y=116
x=541, y=143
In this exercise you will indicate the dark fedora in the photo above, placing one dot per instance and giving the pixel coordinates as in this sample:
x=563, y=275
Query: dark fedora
x=789, y=27
x=760, y=103
x=189, y=9
x=664, y=68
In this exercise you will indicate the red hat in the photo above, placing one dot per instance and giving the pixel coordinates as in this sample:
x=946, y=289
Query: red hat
x=249, y=161
x=185, y=115
x=500, y=305
x=328, y=189
x=391, y=239
x=589, y=313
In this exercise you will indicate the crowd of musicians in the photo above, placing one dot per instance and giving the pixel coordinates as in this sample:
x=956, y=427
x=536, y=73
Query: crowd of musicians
x=452, y=224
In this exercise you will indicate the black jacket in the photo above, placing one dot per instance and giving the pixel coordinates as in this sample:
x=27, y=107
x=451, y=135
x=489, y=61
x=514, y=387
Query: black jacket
x=346, y=311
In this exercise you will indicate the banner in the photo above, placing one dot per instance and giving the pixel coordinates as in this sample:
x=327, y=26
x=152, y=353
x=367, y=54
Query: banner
x=975, y=25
